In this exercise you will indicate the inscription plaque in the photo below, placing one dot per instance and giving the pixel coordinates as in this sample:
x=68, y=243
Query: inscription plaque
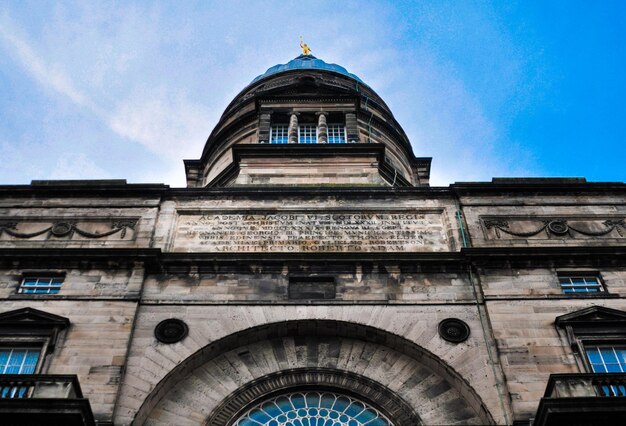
x=311, y=232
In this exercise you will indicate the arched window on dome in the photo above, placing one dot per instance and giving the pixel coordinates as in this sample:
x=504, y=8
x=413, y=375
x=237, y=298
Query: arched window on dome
x=313, y=408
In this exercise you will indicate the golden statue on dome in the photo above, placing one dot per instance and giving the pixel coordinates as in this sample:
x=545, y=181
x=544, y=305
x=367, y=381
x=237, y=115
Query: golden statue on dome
x=306, y=50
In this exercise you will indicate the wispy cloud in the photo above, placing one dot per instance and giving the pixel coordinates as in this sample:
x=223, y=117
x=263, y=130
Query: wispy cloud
x=49, y=76
x=168, y=125
x=156, y=78
x=165, y=123
x=77, y=166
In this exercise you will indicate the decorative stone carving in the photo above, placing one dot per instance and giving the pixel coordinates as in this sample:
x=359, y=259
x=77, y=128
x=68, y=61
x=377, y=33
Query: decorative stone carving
x=327, y=379
x=313, y=232
x=558, y=227
x=66, y=229
x=171, y=330
x=454, y=330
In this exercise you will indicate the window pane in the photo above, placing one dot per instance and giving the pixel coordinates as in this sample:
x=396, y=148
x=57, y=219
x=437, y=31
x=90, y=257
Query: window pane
x=18, y=361
x=279, y=134
x=307, y=134
x=613, y=368
x=578, y=284
x=598, y=368
x=41, y=285
x=605, y=359
x=608, y=355
x=30, y=362
x=4, y=359
x=336, y=133
x=16, y=358
x=594, y=356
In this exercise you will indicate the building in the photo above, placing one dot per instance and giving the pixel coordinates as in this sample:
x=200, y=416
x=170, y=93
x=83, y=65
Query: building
x=309, y=275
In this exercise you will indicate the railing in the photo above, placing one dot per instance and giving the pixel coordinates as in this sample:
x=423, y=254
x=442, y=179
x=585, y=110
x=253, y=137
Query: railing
x=13, y=386
x=586, y=385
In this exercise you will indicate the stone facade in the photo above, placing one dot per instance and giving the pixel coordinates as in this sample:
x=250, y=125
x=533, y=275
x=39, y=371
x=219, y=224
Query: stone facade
x=296, y=267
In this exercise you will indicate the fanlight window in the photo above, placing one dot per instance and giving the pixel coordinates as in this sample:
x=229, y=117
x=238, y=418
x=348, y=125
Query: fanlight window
x=313, y=409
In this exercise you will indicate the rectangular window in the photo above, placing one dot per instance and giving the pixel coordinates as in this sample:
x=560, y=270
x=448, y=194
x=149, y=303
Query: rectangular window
x=279, y=134
x=307, y=134
x=18, y=361
x=608, y=359
x=40, y=285
x=336, y=133
x=581, y=283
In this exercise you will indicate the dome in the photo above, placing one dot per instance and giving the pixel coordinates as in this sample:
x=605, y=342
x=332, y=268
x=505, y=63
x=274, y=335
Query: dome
x=306, y=62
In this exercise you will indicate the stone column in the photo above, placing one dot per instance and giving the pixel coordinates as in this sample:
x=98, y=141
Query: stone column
x=264, y=127
x=322, y=128
x=351, y=128
x=292, y=130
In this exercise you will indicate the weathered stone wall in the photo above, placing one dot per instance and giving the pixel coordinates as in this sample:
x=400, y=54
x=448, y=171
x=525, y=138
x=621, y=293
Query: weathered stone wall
x=541, y=283
x=309, y=171
x=77, y=223
x=150, y=361
x=364, y=286
x=323, y=223
x=93, y=346
x=557, y=220
x=531, y=348
x=84, y=284
x=379, y=286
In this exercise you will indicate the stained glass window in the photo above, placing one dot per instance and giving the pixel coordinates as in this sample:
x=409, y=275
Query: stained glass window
x=313, y=409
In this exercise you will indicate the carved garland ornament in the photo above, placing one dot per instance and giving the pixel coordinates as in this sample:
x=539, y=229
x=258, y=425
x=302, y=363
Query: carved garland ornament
x=558, y=227
x=67, y=229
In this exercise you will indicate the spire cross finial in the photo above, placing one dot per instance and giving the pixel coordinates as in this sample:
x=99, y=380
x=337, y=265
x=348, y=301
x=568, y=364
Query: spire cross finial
x=306, y=50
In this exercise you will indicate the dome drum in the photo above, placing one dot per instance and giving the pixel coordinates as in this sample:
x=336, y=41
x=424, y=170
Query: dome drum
x=309, y=103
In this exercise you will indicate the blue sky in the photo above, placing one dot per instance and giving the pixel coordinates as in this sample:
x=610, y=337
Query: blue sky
x=128, y=89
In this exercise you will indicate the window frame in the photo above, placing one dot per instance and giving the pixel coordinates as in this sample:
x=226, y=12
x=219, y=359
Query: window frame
x=313, y=134
x=21, y=288
x=286, y=132
x=345, y=134
x=602, y=289
x=592, y=327
x=587, y=344
x=29, y=328
x=26, y=346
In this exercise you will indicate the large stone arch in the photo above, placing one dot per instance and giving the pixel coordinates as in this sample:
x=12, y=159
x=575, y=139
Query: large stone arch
x=195, y=390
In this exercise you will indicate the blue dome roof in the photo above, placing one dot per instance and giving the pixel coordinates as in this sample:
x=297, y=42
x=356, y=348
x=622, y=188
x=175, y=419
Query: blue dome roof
x=306, y=62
